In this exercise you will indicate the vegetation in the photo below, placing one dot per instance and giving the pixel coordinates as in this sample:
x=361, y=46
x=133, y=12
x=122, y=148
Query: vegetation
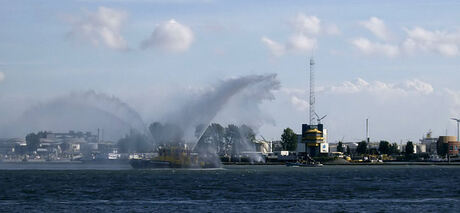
x=348, y=152
x=289, y=140
x=340, y=147
x=384, y=147
x=228, y=140
x=135, y=142
x=362, y=148
x=33, y=140
x=394, y=149
x=409, y=148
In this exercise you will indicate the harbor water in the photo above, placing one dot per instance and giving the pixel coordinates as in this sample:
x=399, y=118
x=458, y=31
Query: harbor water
x=83, y=188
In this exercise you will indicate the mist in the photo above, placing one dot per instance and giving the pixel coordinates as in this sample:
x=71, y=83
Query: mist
x=234, y=100
x=84, y=111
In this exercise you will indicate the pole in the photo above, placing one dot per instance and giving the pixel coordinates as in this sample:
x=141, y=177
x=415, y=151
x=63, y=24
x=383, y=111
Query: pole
x=458, y=131
x=367, y=130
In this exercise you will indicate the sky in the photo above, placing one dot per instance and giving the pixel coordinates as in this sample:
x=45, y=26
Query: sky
x=396, y=63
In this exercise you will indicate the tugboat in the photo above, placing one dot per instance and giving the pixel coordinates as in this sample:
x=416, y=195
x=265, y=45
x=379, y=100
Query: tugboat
x=175, y=156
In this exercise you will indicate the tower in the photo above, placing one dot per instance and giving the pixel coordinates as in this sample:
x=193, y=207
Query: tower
x=312, y=91
x=367, y=130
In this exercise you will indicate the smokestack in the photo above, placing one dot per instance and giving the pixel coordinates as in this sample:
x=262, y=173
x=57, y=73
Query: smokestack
x=367, y=130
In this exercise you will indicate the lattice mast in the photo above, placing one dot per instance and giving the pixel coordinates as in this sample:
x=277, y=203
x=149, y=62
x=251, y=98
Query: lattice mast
x=312, y=92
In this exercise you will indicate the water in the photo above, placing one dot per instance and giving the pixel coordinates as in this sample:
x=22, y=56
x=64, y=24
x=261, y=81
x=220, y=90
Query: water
x=233, y=189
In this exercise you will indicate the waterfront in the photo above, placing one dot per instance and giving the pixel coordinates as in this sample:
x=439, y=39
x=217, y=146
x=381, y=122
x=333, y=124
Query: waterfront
x=232, y=189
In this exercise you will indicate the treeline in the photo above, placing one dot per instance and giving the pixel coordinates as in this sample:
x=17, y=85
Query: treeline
x=225, y=141
x=213, y=138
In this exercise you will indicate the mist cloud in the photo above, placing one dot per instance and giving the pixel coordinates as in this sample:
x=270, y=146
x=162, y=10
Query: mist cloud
x=85, y=111
x=233, y=100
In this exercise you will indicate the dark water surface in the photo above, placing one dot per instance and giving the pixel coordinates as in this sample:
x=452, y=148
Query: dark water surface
x=233, y=189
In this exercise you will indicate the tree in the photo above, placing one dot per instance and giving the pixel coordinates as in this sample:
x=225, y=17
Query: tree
x=134, y=142
x=199, y=130
x=394, y=149
x=289, y=140
x=384, y=147
x=212, y=140
x=348, y=151
x=409, y=148
x=232, y=139
x=166, y=133
x=340, y=147
x=362, y=148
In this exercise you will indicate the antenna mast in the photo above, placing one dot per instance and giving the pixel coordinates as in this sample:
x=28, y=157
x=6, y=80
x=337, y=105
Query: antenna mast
x=312, y=91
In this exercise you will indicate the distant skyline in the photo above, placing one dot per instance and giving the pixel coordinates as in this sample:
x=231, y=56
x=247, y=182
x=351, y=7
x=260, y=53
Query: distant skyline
x=394, y=62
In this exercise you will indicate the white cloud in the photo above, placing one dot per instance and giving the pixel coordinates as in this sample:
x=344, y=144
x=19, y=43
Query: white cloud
x=303, y=39
x=375, y=48
x=309, y=25
x=419, y=86
x=299, y=104
x=332, y=29
x=170, y=36
x=301, y=43
x=377, y=27
x=417, y=40
x=102, y=27
x=2, y=76
x=442, y=42
x=275, y=48
x=413, y=86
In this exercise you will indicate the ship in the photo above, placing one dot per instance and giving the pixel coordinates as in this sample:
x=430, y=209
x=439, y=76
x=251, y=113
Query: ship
x=176, y=156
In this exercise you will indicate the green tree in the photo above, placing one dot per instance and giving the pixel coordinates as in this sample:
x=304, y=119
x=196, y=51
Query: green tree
x=384, y=147
x=362, y=148
x=340, y=147
x=409, y=148
x=394, y=149
x=289, y=140
x=247, y=133
x=232, y=139
x=166, y=133
x=348, y=152
x=212, y=140
x=33, y=140
x=135, y=142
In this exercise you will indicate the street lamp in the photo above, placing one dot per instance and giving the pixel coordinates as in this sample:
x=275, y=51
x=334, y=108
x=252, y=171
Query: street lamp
x=458, y=131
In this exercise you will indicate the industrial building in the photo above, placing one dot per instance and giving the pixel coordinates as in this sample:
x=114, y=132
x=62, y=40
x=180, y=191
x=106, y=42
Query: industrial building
x=453, y=147
x=430, y=143
x=443, y=144
x=314, y=136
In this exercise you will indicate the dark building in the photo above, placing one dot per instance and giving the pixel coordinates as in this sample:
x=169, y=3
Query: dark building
x=313, y=137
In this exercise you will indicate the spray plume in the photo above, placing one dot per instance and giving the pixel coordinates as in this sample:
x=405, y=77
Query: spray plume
x=80, y=111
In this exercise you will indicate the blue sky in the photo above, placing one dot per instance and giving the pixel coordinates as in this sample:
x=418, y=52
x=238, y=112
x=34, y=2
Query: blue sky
x=394, y=62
